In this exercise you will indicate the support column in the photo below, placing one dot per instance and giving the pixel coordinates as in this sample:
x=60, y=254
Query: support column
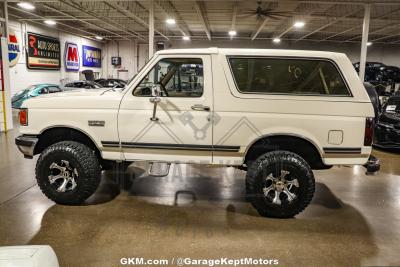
x=364, y=40
x=6, y=19
x=151, y=29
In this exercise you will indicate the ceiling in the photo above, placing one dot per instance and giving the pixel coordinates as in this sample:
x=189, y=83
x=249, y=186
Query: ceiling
x=333, y=21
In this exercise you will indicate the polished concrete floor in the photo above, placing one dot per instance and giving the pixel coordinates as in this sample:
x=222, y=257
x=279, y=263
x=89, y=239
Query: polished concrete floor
x=198, y=212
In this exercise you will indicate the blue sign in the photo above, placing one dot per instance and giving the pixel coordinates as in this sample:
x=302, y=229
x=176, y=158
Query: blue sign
x=91, y=56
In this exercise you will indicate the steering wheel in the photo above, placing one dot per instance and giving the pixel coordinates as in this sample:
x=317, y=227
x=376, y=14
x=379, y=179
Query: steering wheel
x=163, y=89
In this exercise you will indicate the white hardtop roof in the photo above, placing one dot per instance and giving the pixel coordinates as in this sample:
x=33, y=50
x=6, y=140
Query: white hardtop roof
x=251, y=52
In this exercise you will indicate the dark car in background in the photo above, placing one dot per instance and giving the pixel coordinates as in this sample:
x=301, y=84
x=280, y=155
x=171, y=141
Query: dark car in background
x=111, y=83
x=390, y=74
x=387, y=130
x=82, y=85
x=373, y=70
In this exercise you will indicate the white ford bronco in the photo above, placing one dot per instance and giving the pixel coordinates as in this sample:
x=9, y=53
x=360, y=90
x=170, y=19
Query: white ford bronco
x=278, y=114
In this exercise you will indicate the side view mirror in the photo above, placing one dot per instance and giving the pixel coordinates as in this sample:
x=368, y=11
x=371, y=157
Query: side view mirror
x=156, y=93
x=156, y=90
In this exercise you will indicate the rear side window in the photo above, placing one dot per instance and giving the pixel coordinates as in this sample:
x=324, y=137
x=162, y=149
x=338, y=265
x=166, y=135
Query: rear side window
x=287, y=76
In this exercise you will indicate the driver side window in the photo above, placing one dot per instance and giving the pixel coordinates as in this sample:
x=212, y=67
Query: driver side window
x=176, y=77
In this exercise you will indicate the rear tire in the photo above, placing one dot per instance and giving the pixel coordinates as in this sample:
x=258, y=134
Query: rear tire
x=68, y=172
x=279, y=184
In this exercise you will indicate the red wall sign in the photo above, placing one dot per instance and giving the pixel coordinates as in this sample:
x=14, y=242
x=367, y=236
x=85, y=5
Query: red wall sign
x=71, y=57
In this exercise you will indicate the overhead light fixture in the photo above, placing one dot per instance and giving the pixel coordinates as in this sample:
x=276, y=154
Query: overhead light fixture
x=276, y=40
x=299, y=24
x=369, y=43
x=50, y=22
x=99, y=37
x=232, y=33
x=186, y=38
x=170, y=21
x=26, y=5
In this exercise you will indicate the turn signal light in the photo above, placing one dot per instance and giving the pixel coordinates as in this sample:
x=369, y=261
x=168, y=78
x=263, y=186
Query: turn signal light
x=369, y=131
x=23, y=117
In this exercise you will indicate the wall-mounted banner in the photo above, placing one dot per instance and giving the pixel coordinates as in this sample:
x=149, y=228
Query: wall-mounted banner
x=14, y=49
x=43, y=52
x=71, y=57
x=91, y=56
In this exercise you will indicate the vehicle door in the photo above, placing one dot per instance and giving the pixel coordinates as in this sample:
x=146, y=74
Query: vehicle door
x=178, y=128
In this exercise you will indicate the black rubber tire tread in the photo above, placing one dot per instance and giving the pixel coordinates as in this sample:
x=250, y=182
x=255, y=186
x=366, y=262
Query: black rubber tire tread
x=265, y=162
x=85, y=161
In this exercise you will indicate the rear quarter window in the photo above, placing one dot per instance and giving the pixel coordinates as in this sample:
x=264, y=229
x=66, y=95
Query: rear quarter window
x=296, y=76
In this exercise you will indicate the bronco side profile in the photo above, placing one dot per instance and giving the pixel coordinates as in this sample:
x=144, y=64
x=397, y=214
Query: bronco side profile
x=278, y=114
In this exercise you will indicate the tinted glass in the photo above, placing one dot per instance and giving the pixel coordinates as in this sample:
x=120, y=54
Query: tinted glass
x=177, y=77
x=287, y=76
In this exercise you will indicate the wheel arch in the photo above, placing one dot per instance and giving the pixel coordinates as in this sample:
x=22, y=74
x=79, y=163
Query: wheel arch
x=55, y=134
x=301, y=145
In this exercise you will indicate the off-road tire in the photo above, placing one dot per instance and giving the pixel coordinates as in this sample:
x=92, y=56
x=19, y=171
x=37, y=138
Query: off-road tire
x=83, y=159
x=274, y=161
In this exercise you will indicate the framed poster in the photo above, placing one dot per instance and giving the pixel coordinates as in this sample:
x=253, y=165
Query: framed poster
x=43, y=52
x=71, y=57
x=91, y=56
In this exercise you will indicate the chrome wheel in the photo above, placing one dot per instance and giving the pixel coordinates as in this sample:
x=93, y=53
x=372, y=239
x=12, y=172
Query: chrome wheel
x=62, y=176
x=282, y=188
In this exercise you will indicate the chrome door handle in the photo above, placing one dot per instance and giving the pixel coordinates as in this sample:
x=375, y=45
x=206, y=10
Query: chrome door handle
x=200, y=107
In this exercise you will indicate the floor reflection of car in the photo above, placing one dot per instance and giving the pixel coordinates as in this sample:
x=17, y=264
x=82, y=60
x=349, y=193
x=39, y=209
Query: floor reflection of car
x=32, y=91
x=111, y=83
x=387, y=130
x=82, y=85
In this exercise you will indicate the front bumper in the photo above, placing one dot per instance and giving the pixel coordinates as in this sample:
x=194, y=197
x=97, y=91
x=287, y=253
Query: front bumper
x=26, y=144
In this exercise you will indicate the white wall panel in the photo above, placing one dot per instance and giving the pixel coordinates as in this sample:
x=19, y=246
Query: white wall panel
x=128, y=53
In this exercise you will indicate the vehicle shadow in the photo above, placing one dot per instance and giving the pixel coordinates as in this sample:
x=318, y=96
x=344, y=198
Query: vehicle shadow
x=195, y=214
x=204, y=216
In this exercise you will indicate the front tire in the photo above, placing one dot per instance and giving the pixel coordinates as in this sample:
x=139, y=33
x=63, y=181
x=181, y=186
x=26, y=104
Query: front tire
x=68, y=172
x=279, y=184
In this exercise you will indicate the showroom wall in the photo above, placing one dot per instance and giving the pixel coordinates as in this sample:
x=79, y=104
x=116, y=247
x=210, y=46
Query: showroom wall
x=134, y=54
x=383, y=53
x=128, y=53
x=21, y=77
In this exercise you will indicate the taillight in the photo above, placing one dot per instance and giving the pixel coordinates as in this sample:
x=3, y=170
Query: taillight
x=23, y=117
x=369, y=131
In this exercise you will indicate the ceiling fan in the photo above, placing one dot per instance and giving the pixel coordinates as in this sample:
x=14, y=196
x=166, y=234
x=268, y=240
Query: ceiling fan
x=263, y=13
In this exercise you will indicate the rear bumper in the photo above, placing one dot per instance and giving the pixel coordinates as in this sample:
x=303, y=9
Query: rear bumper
x=26, y=144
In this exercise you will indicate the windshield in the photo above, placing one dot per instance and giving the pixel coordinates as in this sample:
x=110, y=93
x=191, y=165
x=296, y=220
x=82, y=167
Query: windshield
x=96, y=85
x=26, y=90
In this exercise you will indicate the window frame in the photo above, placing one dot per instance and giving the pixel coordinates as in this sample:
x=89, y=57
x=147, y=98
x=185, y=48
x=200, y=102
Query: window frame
x=228, y=57
x=189, y=97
